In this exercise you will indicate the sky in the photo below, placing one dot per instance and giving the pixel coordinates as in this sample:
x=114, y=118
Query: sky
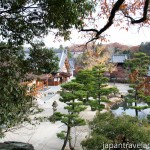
x=131, y=37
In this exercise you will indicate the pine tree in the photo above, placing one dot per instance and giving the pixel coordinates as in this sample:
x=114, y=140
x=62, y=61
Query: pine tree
x=71, y=95
x=138, y=68
x=100, y=89
x=86, y=78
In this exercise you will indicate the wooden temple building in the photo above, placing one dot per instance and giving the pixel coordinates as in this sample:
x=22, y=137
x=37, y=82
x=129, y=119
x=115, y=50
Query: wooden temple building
x=119, y=59
x=65, y=71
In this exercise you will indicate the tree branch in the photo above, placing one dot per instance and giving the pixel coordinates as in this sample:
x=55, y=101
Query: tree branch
x=88, y=30
x=92, y=40
x=115, y=8
x=112, y=15
x=145, y=9
x=108, y=24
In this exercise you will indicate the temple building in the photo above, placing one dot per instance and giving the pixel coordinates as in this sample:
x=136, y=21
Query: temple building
x=119, y=60
x=65, y=71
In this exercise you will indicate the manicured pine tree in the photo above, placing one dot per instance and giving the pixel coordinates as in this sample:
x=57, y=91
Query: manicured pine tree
x=108, y=129
x=71, y=95
x=138, y=69
x=100, y=89
x=86, y=78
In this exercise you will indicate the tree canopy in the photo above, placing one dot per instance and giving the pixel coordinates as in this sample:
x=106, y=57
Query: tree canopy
x=15, y=103
x=42, y=59
x=107, y=128
x=145, y=48
x=23, y=20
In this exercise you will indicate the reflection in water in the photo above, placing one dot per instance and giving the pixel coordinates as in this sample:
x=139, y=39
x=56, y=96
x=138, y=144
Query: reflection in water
x=124, y=108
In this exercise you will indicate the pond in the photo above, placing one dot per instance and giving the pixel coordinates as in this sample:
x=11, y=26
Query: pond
x=124, y=108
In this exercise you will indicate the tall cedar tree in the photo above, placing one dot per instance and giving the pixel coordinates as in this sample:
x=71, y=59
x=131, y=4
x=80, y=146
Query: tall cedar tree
x=71, y=95
x=138, y=68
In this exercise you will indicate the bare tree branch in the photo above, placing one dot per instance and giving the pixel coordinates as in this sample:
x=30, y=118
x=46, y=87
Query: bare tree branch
x=92, y=40
x=88, y=30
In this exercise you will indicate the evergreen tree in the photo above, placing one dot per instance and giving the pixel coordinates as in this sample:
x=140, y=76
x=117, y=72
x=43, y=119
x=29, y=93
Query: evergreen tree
x=15, y=104
x=145, y=48
x=117, y=131
x=100, y=89
x=138, y=68
x=95, y=85
x=86, y=78
x=71, y=95
x=42, y=59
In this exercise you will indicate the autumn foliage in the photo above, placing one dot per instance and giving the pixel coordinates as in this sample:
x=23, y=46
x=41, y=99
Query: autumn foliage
x=119, y=13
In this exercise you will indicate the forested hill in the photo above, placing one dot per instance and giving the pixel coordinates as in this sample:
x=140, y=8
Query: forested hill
x=111, y=46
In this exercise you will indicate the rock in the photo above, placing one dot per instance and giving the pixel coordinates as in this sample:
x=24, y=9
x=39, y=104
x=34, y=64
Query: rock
x=12, y=145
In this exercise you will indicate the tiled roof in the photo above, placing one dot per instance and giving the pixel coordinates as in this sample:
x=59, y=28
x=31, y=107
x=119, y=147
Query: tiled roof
x=149, y=72
x=118, y=58
x=72, y=64
x=62, y=55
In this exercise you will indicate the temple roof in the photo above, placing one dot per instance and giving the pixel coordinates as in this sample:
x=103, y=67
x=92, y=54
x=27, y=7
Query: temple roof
x=119, y=58
x=149, y=72
x=62, y=55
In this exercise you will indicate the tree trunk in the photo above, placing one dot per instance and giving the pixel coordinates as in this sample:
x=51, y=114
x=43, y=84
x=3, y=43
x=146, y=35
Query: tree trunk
x=136, y=111
x=87, y=97
x=70, y=146
x=66, y=139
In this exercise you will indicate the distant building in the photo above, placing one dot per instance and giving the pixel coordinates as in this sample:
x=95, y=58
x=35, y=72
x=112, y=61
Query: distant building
x=119, y=59
x=119, y=74
x=148, y=72
x=65, y=71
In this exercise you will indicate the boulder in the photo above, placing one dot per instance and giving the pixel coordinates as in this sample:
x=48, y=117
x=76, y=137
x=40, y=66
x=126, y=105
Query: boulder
x=13, y=145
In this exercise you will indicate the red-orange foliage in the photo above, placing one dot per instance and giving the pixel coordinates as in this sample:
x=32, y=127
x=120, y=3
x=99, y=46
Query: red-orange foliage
x=121, y=13
x=145, y=85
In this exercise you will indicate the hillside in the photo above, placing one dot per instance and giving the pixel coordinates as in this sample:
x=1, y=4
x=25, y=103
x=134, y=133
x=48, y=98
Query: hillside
x=110, y=47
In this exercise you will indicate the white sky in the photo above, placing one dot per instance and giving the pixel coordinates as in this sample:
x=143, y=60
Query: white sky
x=131, y=37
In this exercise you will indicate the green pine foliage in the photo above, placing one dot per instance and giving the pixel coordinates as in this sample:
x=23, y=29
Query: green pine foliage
x=100, y=90
x=86, y=78
x=72, y=96
x=106, y=129
x=95, y=85
x=139, y=63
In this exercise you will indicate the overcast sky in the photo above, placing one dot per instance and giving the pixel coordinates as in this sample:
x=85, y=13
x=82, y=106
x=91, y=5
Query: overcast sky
x=130, y=37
